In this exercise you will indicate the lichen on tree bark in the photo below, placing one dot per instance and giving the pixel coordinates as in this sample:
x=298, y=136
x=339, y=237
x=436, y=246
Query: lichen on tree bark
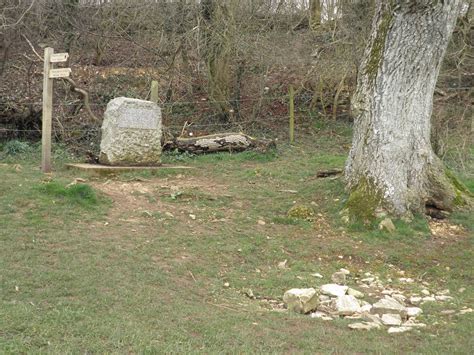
x=391, y=156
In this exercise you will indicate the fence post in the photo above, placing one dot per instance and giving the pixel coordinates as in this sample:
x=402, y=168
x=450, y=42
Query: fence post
x=292, y=114
x=47, y=112
x=154, y=92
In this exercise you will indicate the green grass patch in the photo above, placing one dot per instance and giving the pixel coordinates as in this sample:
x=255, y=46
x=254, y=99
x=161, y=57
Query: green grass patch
x=79, y=194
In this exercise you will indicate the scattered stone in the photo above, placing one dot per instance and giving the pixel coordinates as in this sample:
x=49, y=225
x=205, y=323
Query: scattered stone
x=429, y=299
x=448, y=311
x=131, y=133
x=192, y=216
x=345, y=271
x=465, y=311
x=373, y=318
x=394, y=330
x=346, y=305
x=355, y=293
x=444, y=298
x=319, y=276
x=462, y=289
x=339, y=278
x=443, y=292
x=387, y=292
x=226, y=285
x=399, y=298
x=412, y=323
x=414, y=300
x=364, y=326
x=301, y=300
x=407, y=280
x=413, y=311
x=354, y=316
x=249, y=293
x=425, y=292
x=323, y=298
x=321, y=315
x=261, y=222
x=391, y=319
x=366, y=308
x=334, y=290
x=388, y=305
x=169, y=214
x=387, y=225
x=368, y=280
x=282, y=264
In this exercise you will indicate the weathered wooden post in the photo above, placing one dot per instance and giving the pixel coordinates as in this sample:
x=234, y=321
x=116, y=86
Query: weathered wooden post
x=154, y=92
x=292, y=114
x=49, y=73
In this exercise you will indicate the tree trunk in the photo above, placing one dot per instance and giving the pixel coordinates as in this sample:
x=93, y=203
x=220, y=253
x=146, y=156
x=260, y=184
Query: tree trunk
x=314, y=14
x=391, y=164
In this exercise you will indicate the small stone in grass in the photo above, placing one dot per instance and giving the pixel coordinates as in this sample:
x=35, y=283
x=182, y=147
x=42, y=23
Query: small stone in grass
x=364, y=326
x=394, y=330
x=391, y=319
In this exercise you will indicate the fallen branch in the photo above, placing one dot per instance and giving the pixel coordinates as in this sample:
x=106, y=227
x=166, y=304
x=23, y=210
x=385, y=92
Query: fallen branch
x=223, y=142
x=327, y=173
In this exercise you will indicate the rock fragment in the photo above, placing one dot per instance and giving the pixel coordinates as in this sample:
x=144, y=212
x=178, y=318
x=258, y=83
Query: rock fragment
x=355, y=293
x=387, y=225
x=413, y=311
x=339, y=278
x=388, y=305
x=346, y=305
x=364, y=326
x=334, y=290
x=394, y=330
x=391, y=319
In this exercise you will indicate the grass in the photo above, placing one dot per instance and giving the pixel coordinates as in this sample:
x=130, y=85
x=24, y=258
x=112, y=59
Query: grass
x=116, y=265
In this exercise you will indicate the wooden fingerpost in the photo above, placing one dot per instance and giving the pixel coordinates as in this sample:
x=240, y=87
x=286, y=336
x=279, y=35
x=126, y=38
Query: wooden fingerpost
x=154, y=92
x=47, y=112
x=292, y=114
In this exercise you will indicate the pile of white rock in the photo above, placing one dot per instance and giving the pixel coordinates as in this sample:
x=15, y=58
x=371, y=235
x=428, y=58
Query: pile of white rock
x=331, y=301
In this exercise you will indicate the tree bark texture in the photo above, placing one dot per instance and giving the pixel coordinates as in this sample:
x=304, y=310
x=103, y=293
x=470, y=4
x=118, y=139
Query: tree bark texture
x=391, y=164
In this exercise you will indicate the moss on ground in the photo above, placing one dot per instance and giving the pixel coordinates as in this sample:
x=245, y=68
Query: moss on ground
x=363, y=201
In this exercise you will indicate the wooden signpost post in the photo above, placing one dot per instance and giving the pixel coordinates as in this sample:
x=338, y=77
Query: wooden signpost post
x=49, y=73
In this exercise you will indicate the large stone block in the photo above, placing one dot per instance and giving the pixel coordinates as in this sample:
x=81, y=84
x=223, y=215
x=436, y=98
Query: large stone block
x=131, y=133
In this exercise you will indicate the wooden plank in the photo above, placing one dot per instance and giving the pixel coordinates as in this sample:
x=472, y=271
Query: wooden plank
x=47, y=112
x=59, y=57
x=59, y=73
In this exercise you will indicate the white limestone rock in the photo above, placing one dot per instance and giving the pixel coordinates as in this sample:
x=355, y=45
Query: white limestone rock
x=416, y=300
x=339, y=278
x=388, y=305
x=413, y=311
x=364, y=326
x=131, y=133
x=394, y=330
x=391, y=319
x=355, y=293
x=301, y=300
x=346, y=305
x=444, y=298
x=321, y=315
x=334, y=290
